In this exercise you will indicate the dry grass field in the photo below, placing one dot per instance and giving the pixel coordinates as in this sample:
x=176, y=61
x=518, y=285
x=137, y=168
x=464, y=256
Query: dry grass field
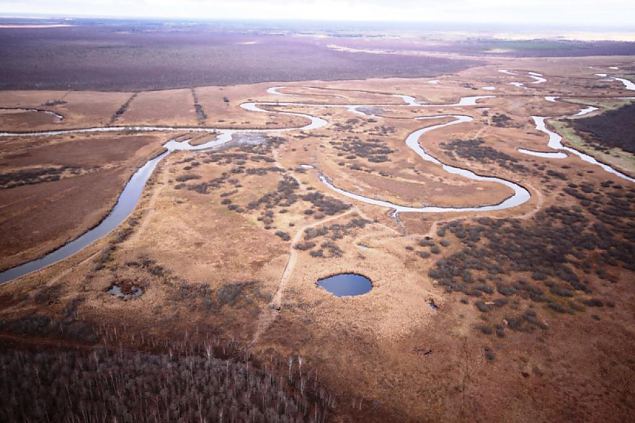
x=521, y=314
x=55, y=188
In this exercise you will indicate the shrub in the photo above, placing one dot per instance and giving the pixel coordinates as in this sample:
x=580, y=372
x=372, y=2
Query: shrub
x=505, y=289
x=48, y=295
x=557, y=307
x=489, y=354
x=229, y=293
x=482, y=307
x=303, y=246
x=283, y=235
x=500, y=331
x=560, y=291
x=485, y=329
x=187, y=177
x=475, y=149
x=593, y=302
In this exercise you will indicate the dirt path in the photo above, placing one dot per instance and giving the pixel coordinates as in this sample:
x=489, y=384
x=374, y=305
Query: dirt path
x=147, y=203
x=270, y=313
x=72, y=268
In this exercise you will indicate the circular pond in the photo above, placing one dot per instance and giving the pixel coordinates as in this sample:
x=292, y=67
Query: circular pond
x=346, y=284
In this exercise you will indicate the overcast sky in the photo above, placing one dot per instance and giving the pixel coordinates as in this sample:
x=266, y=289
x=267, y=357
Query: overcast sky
x=531, y=12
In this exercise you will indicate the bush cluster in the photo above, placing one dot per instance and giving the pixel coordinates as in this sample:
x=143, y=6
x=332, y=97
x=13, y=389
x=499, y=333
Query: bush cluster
x=559, y=249
x=373, y=150
x=475, y=149
x=34, y=175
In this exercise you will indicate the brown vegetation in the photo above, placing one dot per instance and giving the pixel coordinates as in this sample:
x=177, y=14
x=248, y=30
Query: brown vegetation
x=614, y=128
x=55, y=188
x=204, y=300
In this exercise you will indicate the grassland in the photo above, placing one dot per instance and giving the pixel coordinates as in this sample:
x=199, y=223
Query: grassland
x=523, y=314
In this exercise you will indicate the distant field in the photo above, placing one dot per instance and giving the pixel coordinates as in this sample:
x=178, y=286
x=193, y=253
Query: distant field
x=497, y=47
x=129, y=57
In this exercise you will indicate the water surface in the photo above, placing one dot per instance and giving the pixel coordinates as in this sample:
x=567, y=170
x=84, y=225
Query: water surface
x=125, y=205
x=346, y=284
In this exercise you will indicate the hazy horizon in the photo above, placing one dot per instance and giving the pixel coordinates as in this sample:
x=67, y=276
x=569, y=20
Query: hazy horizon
x=615, y=15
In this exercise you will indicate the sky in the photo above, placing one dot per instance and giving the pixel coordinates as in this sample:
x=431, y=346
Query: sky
x=577, y=13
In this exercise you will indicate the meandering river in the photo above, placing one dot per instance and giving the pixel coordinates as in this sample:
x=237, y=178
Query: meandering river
x=520, y=196
x=555, y=143
x=133, y=190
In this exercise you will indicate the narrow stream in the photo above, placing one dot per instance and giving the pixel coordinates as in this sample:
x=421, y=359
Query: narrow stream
x=555, y=143
x=129, y=197
x=518, y=85
x=629, y=85
x=409, y=100
x=586, y=111
x=131, y=193
x=125, y=205
x=537, y=77
x=520, y=196
x=133, y=190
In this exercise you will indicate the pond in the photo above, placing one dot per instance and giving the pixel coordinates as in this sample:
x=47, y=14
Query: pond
x=346, y=284
x=125, y=291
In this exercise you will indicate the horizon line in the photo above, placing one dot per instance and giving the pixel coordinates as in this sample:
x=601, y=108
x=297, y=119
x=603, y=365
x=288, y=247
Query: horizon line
x=553, y=26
